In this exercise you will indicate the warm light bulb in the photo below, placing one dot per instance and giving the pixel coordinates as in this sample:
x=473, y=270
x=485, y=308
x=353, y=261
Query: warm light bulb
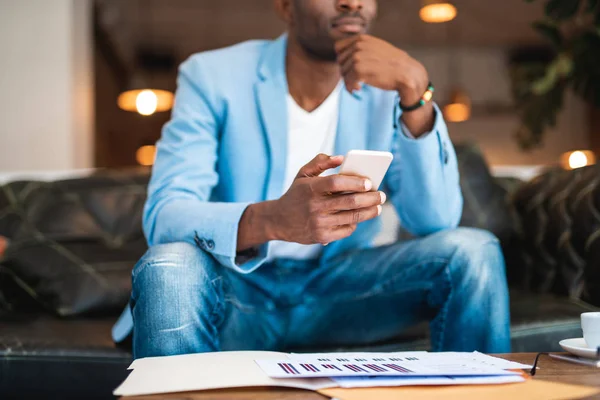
x=145, y=155
x=577, y=159
x=438, y=12
x=457, y=112
x=146, y=102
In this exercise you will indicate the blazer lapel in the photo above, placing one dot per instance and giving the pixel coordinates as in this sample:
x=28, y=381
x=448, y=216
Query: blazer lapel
x=271, y=91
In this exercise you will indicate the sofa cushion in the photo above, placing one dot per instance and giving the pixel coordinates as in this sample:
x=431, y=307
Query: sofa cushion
x=64, y=358
x=487, y=204
x=72, y=244
x=559, y=227
x=583, y=242
x=485, y=199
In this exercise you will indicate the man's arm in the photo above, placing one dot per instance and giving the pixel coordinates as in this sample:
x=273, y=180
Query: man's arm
x=423, y=180
x=178, y=207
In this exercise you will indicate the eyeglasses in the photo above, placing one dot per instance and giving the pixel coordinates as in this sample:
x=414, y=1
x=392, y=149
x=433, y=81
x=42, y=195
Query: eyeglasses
x=537, y=358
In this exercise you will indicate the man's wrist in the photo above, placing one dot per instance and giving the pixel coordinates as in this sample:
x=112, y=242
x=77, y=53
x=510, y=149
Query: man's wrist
x=412, y=86
x=256, y=227
x=262, y=217
x=412, y=93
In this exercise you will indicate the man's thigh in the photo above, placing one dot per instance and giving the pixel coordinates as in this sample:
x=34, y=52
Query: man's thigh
x=185, y=301
x=372, y=295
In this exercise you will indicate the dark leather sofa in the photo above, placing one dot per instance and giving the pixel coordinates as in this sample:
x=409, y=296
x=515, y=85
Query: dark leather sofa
x=72, y=244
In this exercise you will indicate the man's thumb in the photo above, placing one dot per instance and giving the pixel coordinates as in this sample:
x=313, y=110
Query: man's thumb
x=318, y=165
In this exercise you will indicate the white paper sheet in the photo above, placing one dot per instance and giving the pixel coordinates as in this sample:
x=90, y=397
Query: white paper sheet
x=362, y=356
x=205, y=371
x=420, y=365
x=473, y=359
x=379, y=381
x=494, y=361
x=469, y=361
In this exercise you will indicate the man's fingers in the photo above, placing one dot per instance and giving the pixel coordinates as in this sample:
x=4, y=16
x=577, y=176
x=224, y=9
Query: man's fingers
x=341, y=184
x=352, y=80
x=347, y=202
x=347, y=67
x=346, y=62
x=353, y=216
x=352, y=84
x=338, y=233
x=346, y=55
x=318, y=165
x=343, y=44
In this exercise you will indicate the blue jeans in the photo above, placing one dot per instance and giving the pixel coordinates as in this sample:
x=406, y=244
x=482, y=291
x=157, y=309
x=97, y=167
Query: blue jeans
x=183, y=301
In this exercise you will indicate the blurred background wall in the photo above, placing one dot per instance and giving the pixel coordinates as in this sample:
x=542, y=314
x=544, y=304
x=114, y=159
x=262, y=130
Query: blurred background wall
x=65, y=62
x=47, y=83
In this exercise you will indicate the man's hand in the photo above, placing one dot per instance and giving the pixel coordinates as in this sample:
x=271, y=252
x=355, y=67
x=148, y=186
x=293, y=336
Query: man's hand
x=324, y=209
x=370, y=60
x=314, y=210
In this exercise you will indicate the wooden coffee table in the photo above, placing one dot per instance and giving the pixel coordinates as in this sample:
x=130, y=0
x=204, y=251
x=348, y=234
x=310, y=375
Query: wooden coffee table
x=550, y=369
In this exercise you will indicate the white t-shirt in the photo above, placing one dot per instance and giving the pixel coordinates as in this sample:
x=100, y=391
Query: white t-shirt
x=309, y=133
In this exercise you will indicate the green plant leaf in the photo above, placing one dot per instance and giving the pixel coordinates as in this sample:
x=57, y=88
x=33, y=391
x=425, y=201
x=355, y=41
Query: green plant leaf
x=539, y=88
x=561, y=10
x=550, y=31
x=537, y=112
x=586, y=71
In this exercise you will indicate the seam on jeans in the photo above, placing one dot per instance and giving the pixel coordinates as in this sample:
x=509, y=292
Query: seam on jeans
x=241, y=306
x=217, y=287
x=383, y=287
x=216, y=316
x=443, y=313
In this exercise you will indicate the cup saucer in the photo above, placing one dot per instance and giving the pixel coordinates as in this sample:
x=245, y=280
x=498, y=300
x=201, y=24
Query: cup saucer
x=578, y=347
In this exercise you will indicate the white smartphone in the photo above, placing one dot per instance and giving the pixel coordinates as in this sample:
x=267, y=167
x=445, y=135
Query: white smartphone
x=369, y=164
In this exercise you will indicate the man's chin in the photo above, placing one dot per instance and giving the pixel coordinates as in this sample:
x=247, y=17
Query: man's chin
x=323, y=51
x=340, y=36
x=343, y=32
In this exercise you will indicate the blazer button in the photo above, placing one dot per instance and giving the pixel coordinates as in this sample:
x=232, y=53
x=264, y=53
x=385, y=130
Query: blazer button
x=200, y=242
x=210, y=244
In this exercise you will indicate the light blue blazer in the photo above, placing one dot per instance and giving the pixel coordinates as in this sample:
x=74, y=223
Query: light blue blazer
x=225, y=148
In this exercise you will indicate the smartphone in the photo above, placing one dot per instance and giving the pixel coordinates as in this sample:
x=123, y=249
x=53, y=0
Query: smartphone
x=369, y=164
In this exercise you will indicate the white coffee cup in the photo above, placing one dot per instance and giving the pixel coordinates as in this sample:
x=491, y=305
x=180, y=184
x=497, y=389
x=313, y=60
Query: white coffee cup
x=590, y=324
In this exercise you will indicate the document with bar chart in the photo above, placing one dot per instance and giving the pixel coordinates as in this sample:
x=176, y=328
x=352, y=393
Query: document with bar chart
x=377, y=364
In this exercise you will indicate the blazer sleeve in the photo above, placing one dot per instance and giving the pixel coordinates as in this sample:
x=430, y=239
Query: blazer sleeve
x=178, y=207
x=423, y=180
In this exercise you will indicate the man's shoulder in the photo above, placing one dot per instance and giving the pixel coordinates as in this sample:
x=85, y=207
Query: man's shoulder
x=243, y=56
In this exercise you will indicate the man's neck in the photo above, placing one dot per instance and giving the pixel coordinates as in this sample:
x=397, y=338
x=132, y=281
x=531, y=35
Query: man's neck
x=310, y=81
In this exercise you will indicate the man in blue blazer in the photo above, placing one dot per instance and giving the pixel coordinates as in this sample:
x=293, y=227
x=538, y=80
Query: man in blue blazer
x=256, y=243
